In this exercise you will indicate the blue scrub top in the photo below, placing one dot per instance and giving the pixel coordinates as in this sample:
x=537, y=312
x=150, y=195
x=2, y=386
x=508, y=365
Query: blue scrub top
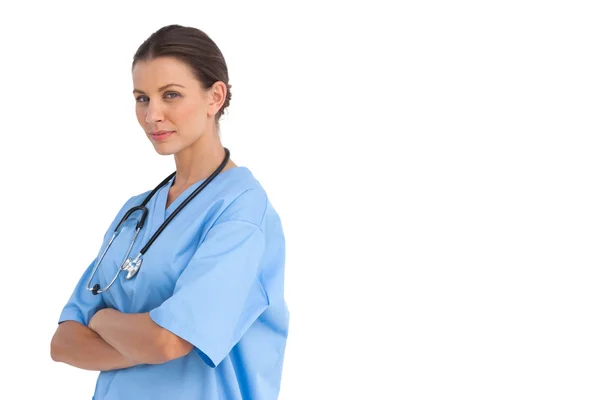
x=214, y=277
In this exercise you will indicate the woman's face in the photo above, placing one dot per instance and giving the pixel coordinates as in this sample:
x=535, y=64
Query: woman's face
x=171, y=105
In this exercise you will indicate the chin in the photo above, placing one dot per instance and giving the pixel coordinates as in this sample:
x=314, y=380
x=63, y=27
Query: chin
x=164, y=150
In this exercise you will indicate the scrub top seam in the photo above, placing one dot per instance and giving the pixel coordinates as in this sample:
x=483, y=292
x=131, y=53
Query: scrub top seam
x=216, y=221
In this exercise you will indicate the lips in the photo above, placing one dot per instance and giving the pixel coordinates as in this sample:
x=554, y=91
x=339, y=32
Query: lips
x=161, y=135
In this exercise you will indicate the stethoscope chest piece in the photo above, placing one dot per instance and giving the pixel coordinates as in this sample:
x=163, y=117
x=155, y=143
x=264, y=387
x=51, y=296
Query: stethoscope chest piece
x=130, y=264
x=132, y=267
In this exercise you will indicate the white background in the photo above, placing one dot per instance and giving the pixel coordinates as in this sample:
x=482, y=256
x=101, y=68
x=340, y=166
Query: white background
x=436, y=166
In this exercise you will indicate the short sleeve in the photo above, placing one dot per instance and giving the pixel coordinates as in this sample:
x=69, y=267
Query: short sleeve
x=219, y=294
x=82, y=305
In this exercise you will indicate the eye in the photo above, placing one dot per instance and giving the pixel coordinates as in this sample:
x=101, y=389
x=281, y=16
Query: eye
x=168, y=95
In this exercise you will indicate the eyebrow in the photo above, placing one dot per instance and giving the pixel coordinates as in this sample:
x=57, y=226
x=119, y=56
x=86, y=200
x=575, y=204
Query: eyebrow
x=160, y=88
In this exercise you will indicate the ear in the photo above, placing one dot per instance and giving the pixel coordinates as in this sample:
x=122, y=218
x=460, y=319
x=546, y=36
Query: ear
x=216, y=97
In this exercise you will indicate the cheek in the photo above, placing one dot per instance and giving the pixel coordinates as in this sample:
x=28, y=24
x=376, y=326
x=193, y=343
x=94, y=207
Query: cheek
x=140, y=113
x=188, y=113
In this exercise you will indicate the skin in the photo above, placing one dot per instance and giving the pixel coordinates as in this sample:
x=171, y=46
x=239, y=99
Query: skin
x=189, y=111
x=168, y=97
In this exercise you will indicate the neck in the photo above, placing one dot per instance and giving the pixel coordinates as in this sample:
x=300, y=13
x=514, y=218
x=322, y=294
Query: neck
x=199, y=161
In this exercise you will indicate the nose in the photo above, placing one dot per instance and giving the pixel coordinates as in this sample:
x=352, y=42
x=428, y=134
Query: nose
x=154, y=112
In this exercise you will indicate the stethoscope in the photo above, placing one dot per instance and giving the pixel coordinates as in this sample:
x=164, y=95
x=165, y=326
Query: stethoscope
x=132, y=265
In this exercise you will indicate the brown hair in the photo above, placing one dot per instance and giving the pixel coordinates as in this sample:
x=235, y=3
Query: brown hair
x=193, y=47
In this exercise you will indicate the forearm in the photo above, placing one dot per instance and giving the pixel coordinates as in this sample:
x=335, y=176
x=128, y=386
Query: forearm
x=135, y=336
x=81, y=347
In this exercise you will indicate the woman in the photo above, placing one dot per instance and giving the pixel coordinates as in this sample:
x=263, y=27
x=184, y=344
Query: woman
x=204, y=316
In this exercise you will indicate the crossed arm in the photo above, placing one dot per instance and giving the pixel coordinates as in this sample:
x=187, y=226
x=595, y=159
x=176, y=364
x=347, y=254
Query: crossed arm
x=114, y=340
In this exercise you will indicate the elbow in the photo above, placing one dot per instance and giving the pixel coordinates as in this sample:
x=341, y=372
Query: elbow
x=53, y=353
x=171, y=348
x=55, y=349
x=166, y=347
x=180, y=348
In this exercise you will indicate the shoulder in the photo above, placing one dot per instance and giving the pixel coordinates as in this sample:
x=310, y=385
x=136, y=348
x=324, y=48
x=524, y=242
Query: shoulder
x=234, y=195
x=244, y=206
x=242, y=197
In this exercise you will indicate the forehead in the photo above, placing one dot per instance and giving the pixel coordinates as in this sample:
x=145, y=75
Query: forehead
x=152, y=74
